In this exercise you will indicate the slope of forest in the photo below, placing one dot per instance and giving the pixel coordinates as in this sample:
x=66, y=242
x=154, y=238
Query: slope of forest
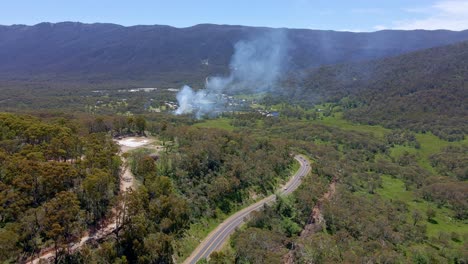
x=386, y=206
x=424, y=91
x=103, y=52
x=54, y=181
x=60, y=178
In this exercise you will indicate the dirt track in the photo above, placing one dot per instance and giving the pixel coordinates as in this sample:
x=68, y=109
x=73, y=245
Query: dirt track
x=127, y=181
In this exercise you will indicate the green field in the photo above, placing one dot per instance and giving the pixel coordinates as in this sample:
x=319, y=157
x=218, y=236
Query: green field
x=430, y=145
x=394, y=189
x=220, y=123
x=338, y=121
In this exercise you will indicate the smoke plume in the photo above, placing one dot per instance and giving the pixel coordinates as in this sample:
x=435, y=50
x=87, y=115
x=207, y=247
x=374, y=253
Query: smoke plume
x=255, y=67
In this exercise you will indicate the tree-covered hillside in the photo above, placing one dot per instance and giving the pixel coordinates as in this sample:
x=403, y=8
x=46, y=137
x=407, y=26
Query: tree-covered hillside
x=54, y=182
x=374, y=195
x=90, y=53
x=423, y=91
x=61, y=179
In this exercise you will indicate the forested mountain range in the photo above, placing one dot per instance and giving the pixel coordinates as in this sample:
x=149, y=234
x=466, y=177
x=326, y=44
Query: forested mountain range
x=100, y=52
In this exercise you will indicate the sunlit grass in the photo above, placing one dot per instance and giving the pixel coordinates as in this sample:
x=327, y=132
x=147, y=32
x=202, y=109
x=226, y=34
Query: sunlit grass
x=337, y=121
x=220, y=123
x=394, y=189
x=195, y=235
x=429, y=145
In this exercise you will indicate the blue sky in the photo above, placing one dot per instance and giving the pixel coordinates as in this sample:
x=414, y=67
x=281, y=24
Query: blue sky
x=349, y=15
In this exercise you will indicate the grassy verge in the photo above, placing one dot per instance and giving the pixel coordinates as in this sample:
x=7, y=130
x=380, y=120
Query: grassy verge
x=195, y=235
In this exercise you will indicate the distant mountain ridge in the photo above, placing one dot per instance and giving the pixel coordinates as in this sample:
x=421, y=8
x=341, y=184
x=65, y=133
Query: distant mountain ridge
x=102, y=52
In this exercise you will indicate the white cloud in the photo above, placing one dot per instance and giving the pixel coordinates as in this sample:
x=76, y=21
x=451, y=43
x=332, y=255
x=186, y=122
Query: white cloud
x=354, y=30
x=453, y=7
x=419, y=10
x=444, y=14
x=368, y=11
x=380, y=27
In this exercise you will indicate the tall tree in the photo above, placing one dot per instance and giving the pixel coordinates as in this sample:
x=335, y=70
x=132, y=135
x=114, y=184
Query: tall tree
x=63, y=220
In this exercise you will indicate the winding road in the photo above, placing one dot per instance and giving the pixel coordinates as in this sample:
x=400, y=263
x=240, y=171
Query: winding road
x=214, y=241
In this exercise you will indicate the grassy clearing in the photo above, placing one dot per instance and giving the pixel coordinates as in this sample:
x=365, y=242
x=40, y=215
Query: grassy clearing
x=337, y=121
x=430, y=145
x=422, y=159
x=394, y=189
x=398, y=151
x=220, y=123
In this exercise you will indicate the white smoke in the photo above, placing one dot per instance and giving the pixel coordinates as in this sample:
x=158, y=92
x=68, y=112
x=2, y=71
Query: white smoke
x=200, y=102
x=256, y=66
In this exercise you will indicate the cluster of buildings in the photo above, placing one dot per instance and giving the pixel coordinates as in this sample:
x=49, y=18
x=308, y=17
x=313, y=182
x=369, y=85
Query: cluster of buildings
x=268, y=113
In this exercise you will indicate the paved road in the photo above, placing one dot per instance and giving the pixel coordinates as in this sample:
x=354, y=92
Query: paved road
x=217, y=237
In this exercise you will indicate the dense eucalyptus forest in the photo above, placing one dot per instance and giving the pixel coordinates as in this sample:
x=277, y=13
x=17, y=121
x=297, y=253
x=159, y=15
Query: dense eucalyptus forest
x=55, y=181
x=396, y=197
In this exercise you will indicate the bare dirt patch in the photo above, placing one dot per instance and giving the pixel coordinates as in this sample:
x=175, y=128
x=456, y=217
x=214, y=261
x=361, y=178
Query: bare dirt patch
x=316, y=219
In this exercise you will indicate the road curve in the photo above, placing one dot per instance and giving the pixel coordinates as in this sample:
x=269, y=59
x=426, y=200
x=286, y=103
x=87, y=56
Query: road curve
x=217, y=237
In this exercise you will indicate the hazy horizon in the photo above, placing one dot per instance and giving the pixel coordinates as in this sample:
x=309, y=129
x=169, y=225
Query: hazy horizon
x=338, y=15
x=220, y=24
